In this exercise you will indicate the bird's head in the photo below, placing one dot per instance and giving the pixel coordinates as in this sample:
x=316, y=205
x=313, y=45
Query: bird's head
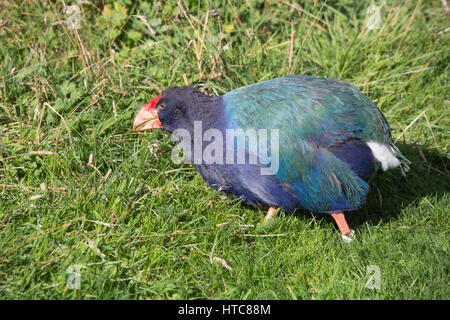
x=174, y=108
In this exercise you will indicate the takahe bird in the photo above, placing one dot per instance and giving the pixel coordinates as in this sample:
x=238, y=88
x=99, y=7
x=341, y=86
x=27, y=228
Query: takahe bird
x=330, y=138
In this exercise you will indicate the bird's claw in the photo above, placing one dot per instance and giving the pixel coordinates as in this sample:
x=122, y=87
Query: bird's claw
x=349, y=236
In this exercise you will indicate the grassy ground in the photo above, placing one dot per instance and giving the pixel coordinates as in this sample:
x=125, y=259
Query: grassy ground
x=80, y=189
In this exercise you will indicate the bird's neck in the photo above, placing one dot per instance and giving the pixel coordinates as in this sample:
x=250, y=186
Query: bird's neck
x=206, y=109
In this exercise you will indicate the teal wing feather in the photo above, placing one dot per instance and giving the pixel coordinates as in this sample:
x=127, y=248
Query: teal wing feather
x=311, y=115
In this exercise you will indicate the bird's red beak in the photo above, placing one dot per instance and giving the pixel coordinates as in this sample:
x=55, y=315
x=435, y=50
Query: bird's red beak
x=147, y=118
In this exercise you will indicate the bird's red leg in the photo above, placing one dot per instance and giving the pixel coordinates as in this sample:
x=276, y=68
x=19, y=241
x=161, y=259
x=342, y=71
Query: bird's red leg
x=271, y=214
x=346, y=233
x=341, y=223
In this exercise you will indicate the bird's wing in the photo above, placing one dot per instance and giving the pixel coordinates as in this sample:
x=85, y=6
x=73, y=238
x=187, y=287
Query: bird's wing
x=317, y=109
x=311, y=115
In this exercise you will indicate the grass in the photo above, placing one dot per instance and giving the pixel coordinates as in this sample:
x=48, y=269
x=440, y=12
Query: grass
x=79, y=188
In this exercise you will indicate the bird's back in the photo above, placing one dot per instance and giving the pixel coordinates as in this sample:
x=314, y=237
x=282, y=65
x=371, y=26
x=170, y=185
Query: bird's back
x=325, y=128
x=313, y=108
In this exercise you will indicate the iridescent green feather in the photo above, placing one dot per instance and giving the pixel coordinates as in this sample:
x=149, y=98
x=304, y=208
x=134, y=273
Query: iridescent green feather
x=312, y=114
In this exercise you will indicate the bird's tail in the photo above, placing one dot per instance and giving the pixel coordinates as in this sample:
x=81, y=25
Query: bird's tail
x=404, y=162
x=389, y=156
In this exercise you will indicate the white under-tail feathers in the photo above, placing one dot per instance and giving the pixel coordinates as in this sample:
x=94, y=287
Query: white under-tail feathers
x=389, y=156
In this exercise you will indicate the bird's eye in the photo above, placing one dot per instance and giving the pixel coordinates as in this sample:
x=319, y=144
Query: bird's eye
x=161, y=106
x=177, y=110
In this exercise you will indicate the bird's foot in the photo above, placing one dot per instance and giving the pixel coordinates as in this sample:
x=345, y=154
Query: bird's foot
x=347, y=234
x=271, y=215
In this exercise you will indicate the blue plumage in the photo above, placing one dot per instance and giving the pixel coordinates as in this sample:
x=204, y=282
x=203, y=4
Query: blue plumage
x=357, y=155
x=327, y=132
x=324, y=126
